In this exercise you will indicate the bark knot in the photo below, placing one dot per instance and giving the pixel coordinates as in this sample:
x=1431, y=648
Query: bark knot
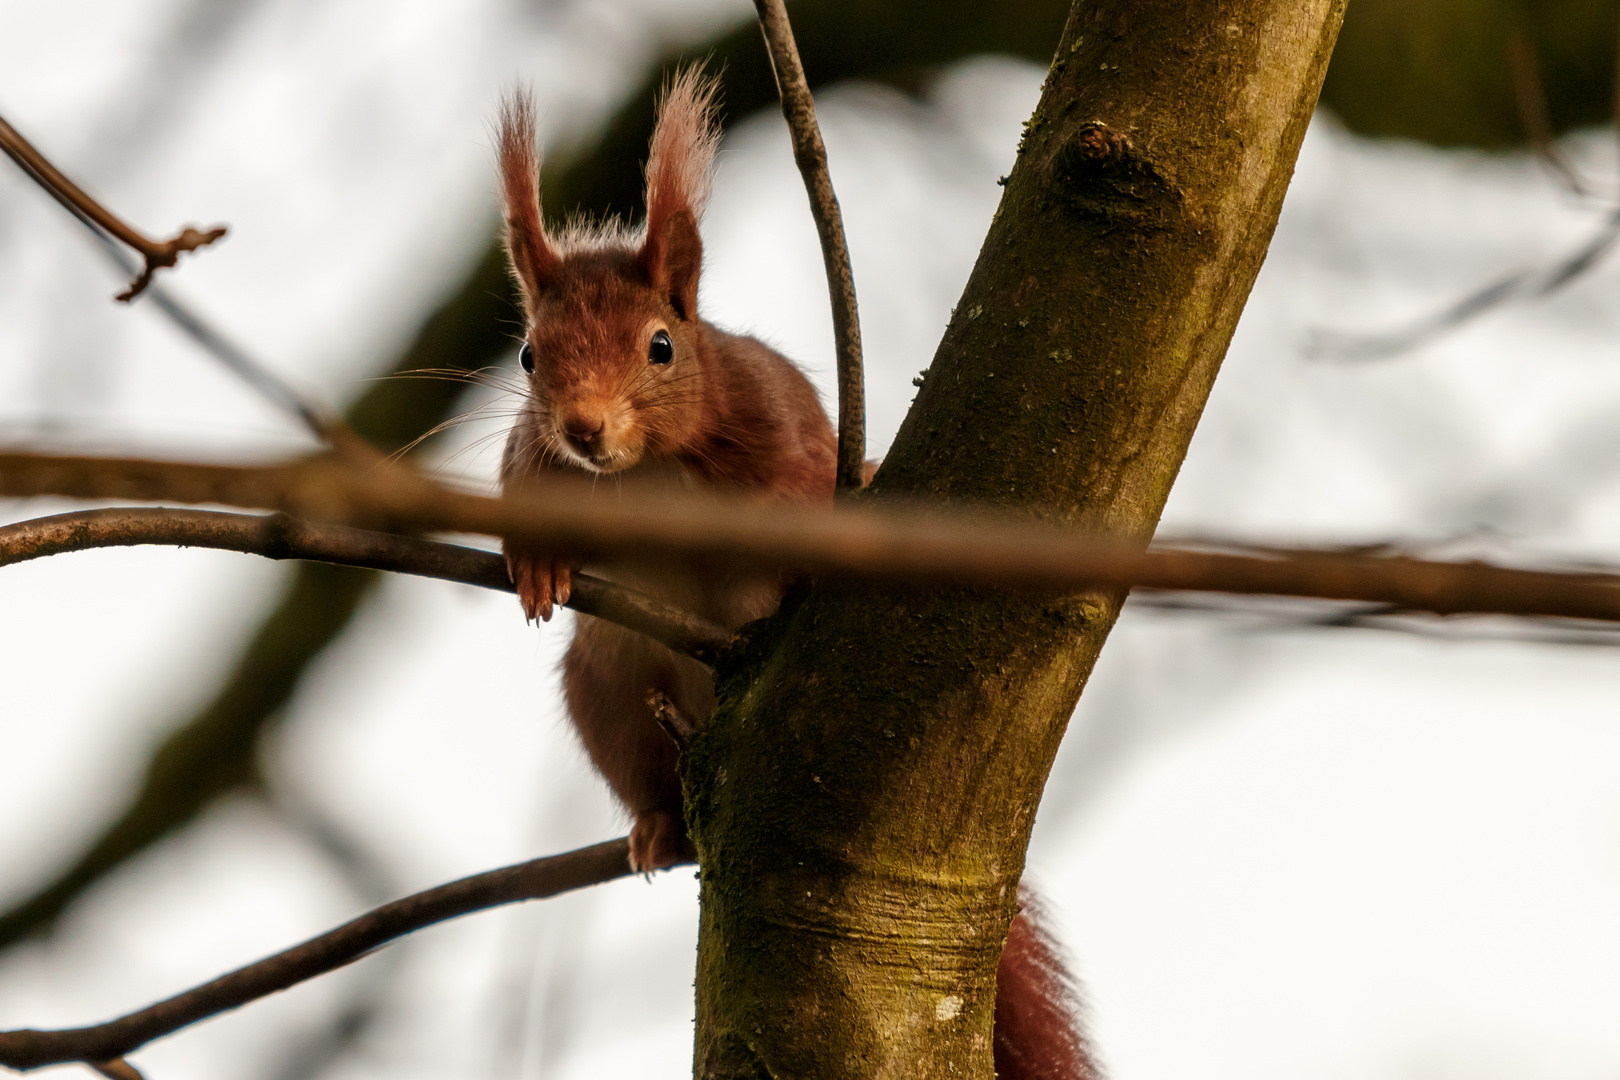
x=1103, y=178
x=1102, y=145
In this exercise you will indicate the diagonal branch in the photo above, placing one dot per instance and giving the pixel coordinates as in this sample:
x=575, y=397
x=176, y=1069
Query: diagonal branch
x=898, y=544
x=1522, y=285
x=321, y=422
x=1531, y=101
x=104, y=1045
x=278, y=536
x=109, y=230
x=158, y=254
x=799, y=108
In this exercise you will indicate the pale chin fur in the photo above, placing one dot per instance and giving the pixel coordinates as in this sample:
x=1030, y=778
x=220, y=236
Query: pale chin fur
x=616, y=462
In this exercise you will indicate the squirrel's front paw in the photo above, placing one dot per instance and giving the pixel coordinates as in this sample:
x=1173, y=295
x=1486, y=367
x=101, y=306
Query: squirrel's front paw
x=540, y=580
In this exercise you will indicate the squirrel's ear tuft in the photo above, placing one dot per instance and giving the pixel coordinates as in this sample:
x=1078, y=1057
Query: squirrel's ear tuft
x=535, y=263
x=680, y=168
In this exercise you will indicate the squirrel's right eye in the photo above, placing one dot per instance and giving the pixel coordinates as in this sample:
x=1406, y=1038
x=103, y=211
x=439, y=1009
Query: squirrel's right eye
x=661, y=350
x=526, y=358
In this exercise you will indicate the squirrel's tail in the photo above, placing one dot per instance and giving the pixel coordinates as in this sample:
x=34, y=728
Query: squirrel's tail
x=1038, y=1033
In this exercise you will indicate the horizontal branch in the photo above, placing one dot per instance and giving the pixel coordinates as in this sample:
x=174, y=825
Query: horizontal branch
x=108, y=1043
x=156, y=253
x=278, y=536
x=869, y=541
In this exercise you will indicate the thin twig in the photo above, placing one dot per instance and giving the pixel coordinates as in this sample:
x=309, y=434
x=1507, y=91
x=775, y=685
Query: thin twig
x=799, y=108
x=109, y=1042
x=669, y=716
x=156, y=253
x=322, y=423
x=869, y=542
x=1530, y=96
x=278, y=536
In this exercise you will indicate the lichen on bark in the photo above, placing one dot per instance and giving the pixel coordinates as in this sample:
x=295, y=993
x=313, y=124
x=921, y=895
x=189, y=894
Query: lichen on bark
x=863, y=794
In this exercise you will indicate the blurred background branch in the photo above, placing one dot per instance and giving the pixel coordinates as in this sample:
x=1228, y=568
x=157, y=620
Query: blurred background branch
x=985, y=547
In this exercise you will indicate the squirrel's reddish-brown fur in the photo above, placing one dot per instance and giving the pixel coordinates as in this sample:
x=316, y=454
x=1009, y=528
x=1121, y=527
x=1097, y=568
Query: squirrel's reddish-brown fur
x=628, y=383
x=1038, y=1034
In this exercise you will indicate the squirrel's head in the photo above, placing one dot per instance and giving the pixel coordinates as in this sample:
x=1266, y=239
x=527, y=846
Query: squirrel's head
x=613, y=350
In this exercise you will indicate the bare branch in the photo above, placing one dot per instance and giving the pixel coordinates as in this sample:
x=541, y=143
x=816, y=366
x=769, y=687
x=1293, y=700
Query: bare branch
x=902, y=544
x=278, y=536
x=156, y=253
x=799, y=108
x=104, y=1045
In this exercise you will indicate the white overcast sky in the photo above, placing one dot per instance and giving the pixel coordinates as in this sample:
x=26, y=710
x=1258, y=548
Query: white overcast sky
x=1274, y=852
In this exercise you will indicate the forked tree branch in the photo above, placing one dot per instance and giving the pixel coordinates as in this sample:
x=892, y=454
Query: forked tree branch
x=799, y=108
x=901, y=544
x=278, y=536
x=109, y=230
x=104, y=1045
x=156, y=253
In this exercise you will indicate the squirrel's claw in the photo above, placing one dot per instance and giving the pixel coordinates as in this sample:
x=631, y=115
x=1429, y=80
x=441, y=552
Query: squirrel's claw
x=535, y=579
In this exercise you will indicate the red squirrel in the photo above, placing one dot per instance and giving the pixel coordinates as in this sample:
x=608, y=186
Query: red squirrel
x=626, y=381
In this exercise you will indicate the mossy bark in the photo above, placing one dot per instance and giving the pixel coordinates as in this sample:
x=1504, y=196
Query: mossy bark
x=862, y=797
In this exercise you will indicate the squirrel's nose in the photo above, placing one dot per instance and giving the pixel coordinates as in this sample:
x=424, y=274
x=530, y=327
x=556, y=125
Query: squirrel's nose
x=586, y=431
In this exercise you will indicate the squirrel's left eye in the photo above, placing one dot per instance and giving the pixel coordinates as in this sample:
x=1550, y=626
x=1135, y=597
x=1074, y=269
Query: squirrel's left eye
x=660, y=350
x=526, y=358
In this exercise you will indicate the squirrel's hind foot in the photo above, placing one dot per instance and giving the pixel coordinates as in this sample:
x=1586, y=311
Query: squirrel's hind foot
x=658, y=841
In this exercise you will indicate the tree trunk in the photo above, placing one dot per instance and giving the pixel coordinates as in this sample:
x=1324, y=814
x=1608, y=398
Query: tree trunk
x=862, y=797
